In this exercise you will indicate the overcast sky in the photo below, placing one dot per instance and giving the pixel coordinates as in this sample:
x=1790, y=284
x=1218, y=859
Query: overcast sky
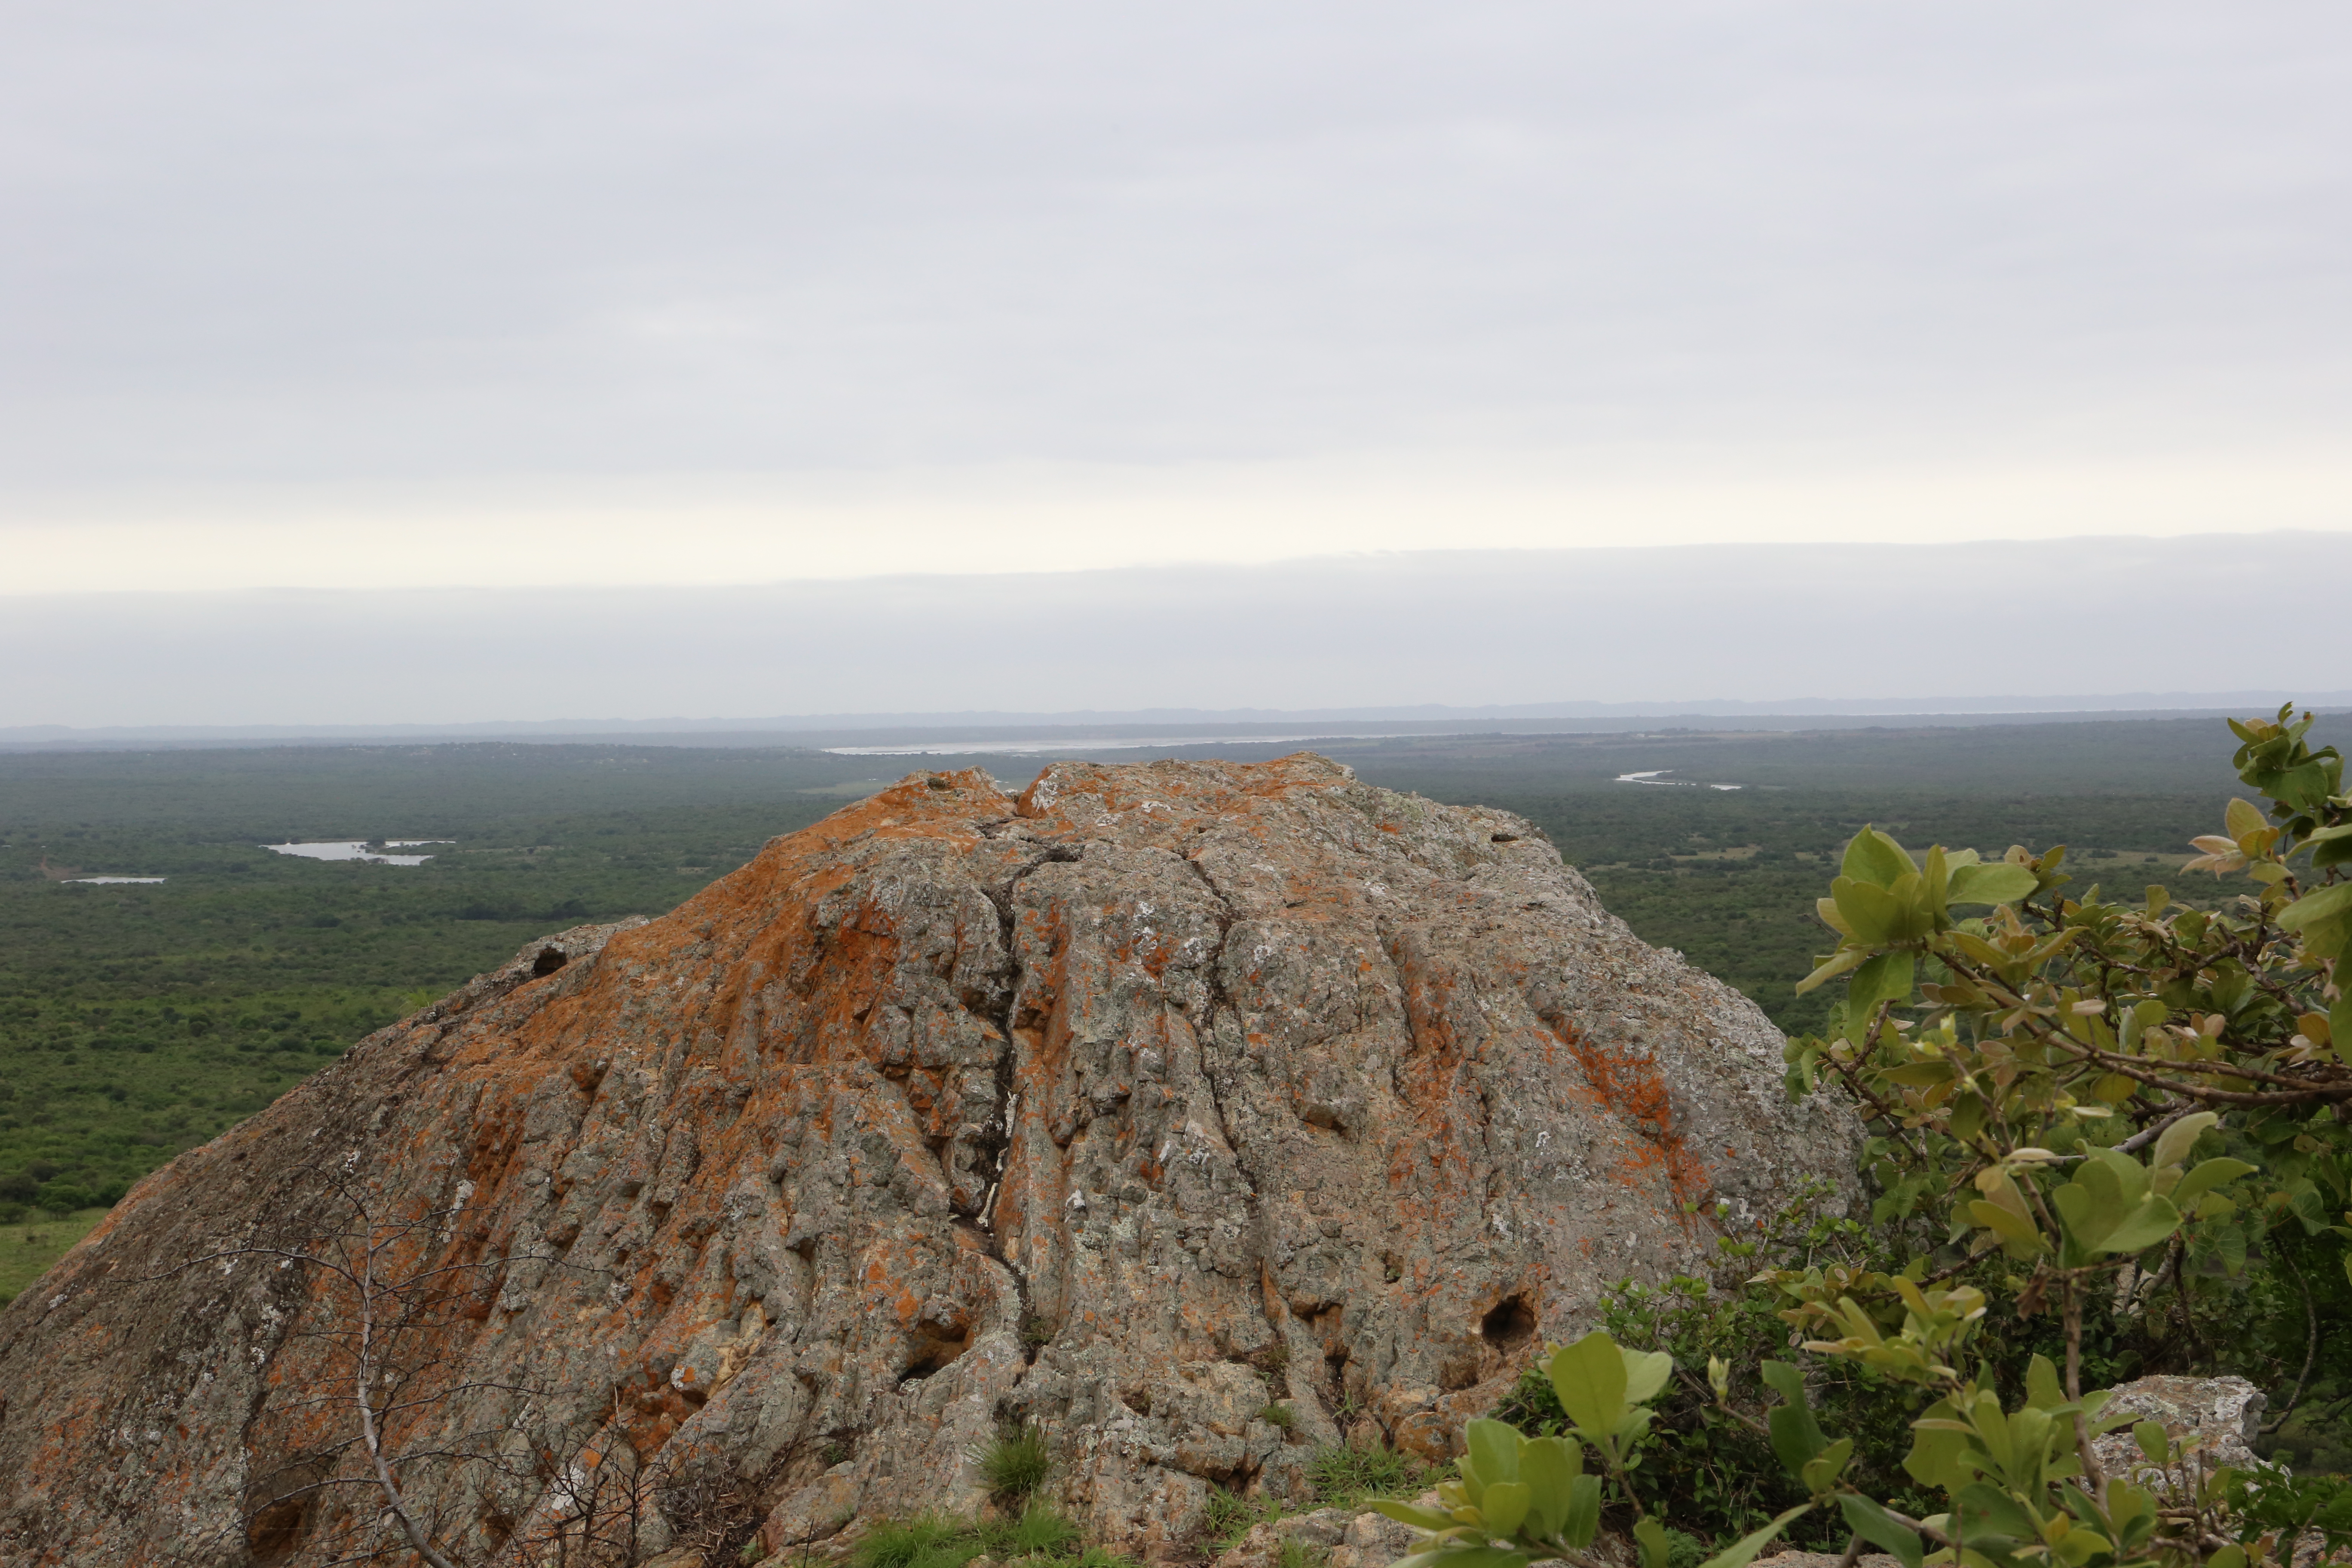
x=371, y=294
x=1986, y=626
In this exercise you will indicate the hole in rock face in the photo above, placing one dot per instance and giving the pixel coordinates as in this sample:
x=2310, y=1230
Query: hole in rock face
x=933, y=1355
x=1508, y=1324
x=275, y=1531
x=550, y=960
x=1502, y=838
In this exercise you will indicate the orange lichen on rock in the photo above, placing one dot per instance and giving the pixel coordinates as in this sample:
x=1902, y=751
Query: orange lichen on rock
x=1128, y=1105
x=1628, y=1083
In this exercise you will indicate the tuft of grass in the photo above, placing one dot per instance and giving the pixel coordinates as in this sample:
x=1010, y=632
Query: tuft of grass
x=1039, y=1531
x=1229, y=1516
x=1280, y=1415
x=1014, y=1461
x=1298, y=1554
x=926, y=1540
x=1343, y=1476
x=1039, y=1536
x=1036, y=1332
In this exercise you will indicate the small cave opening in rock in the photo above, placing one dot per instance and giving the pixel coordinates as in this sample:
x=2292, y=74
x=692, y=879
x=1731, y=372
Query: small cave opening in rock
x=1508, y=1324
x=550, y=960
x=934, y=1354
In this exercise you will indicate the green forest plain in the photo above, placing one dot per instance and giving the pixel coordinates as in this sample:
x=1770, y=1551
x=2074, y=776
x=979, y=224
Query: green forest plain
x=137, y=1021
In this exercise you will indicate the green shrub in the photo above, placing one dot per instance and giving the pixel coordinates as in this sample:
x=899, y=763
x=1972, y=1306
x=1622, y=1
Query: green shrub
x=1014, y=1461
x=1684, y=1549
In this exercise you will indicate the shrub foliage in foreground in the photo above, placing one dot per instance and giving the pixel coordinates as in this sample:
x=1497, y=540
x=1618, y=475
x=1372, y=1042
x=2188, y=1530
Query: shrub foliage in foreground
x=2090, y=1112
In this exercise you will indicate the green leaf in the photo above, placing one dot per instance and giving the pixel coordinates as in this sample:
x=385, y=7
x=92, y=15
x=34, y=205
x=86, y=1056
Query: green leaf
x=1986, y=1509
x=1645, y=1373
x=1506, y=1506
x=1743, y=1551
x=2018, y=1232
x=2323, y=903
x=1494, y=1453
x=1421, y=1518
x=1822, y=1471
x=2041, y=1387
x=1549, y=1465
x=1652, y=1537
x=2173, y=1144
x=2001, y=883
x=1583, y=1512
x=1837, y=963
x=1940, y=1447
x=1468, y=1557
x=1872, y=857
x=1886, y=978
x=2155, y=1442
x=1870, y=1522
x=1797, y=1437
x=2210, y=1175
x=1869, y=912
x=1590, y=1378
x=2151, y=1222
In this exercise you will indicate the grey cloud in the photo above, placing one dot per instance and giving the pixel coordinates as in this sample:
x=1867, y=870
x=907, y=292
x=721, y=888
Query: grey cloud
x=254, y=243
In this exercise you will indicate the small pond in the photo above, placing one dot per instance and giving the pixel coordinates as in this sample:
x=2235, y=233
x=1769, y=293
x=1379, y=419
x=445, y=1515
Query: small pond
x=370, y=850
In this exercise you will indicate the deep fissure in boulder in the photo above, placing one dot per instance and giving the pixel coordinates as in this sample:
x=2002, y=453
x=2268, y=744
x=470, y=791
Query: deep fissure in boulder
x=1132, y=1107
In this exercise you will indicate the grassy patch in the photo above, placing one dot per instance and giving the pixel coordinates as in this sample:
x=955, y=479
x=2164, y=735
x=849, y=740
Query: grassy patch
x=1038, y=1536
x=1231, y=1516
x=1345, y=1477
x=29, y=1246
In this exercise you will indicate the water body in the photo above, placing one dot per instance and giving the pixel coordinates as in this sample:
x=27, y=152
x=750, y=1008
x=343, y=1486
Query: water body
x=357, y=850
x=1658, y=776
x=117, y=881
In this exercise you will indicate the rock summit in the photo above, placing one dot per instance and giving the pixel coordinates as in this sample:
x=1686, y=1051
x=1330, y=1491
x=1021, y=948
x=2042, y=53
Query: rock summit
x=1190, y=1114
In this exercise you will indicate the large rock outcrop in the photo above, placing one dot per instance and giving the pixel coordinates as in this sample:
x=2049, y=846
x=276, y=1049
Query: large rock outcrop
x=1132, y=1106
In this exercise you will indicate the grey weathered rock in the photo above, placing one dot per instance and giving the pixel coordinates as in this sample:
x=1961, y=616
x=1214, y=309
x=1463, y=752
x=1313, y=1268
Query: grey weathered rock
x=1131, y=1107
x=2218, y=1417
x=1342, y=1537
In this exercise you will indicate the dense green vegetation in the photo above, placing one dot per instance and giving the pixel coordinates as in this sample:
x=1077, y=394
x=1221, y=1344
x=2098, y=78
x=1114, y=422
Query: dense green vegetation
x=136, y=1020
x=139, y=1020
x=2106, y=1136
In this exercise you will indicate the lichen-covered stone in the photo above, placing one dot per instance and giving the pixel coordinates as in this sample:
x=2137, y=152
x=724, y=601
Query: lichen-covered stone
x=2216, y=1419
x=1132, y=1107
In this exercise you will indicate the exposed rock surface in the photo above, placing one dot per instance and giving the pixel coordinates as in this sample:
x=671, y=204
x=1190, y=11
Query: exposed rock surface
x=1132, y=1107
x=1338, y=1537
x=2218, y=1419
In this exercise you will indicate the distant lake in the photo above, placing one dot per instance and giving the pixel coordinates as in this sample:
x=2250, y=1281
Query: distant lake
x=1658, y=776
x=357, y=850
